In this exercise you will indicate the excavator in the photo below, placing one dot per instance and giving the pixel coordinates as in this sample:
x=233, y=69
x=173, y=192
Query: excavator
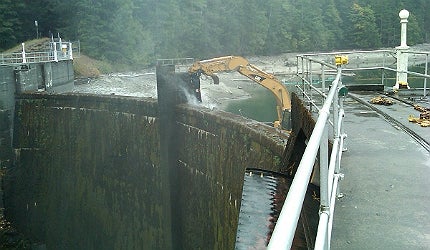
x=236, y=63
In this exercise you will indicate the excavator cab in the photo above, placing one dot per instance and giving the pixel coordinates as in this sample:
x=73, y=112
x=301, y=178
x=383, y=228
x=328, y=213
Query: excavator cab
x=286, y=120
x=191, y=85
x=194, y=85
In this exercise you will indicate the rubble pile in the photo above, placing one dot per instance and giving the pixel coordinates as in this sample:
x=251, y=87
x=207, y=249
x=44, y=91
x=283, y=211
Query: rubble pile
x=381, y=100
x=424, y=119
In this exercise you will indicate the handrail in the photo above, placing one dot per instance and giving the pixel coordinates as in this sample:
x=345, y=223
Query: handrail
x=372, y=65
x=176, y=61
x=57, y=51
x=329, y=172
x=285, y=228
x=348, y=52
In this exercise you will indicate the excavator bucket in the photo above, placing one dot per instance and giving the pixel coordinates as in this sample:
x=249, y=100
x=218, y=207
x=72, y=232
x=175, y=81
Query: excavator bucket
x=194, y=86
x=215, y=79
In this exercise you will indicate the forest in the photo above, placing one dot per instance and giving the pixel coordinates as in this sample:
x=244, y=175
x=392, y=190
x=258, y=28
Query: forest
x=137, y=32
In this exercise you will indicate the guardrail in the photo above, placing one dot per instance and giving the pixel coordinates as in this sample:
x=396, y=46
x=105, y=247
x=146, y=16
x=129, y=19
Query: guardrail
x=175, y=61
x=313, y=68
x=384, y=60
x=181, y=64
x=56, y=51
x=330, y=175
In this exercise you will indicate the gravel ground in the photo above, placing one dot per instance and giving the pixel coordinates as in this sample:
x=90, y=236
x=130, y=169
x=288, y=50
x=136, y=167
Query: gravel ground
x=232, y=85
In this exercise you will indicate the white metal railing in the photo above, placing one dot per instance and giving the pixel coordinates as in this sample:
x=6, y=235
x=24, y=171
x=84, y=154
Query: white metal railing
x=56, y=51
x=384, y=60
x=330, y=175
x=175, y=61
x=181, y=64
x=311, y=67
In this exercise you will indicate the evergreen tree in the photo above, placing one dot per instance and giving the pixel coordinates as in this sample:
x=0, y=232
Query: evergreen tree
x=332, y=23
x=68, y=22
x=363, y=33
x=139, y=31
x=194, y=35
x=276, y=34
x=9, y=23
x=253, y=24
x=419, y=21
x=415, y=34
x=387, y=21
x=129, y=43
x=42, y=11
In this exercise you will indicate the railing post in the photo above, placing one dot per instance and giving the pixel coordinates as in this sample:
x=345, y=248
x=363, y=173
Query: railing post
x=323, y=79
x=341, y=135
x=60, y=43
x=341, y=115
x=307, y=71
x=310, y=84
x=55, y=52
x=70, y=51
x=425, y=78
x=383, y=69
x=24, y=59
x=321, y=242
x=303, y=77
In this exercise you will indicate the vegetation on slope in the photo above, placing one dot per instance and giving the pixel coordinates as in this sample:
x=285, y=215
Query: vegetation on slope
x=137, y=32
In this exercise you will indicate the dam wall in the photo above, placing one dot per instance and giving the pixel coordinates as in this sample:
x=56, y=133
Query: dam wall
x=87, y=172
x=217, y=149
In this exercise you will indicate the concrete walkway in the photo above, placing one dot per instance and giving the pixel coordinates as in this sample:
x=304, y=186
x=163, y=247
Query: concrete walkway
x=387, y=179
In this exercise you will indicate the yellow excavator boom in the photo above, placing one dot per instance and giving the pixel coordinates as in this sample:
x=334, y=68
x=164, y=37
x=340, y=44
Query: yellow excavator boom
x=236, y=63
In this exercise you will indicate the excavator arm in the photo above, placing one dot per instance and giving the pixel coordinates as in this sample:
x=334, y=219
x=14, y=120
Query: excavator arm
x=220, y=64
x=236, y=63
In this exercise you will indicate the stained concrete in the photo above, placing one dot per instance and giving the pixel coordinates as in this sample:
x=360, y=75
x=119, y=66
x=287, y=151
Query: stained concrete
x=75, y=159
x=93, y=163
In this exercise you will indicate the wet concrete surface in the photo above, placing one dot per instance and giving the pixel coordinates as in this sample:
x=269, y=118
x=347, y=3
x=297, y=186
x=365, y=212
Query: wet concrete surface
x=386, y=203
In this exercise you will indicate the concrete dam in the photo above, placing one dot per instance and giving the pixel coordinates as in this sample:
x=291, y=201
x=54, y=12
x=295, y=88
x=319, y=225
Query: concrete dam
x=112, y=172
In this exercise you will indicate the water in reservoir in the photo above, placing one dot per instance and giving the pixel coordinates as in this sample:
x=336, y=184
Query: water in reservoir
x=260, y=107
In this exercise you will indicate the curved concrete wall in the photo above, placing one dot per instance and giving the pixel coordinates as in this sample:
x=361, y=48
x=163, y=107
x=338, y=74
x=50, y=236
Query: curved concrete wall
x=86, y=168
x=87, y=173
x=217, y=149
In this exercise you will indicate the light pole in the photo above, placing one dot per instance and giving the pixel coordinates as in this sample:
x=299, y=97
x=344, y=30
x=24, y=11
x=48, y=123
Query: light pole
x=403, y=14
x=37, y=29
x=402, y=57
